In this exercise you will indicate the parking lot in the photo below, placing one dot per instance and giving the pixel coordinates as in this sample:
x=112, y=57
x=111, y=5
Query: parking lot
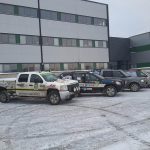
x=85, y=123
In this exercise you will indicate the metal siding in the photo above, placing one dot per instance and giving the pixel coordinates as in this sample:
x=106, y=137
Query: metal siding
x=76, y=7
x=140, y=57
x=19, y=25
x=28, y=3
x=69, y=54
x=19, y=54
x=140, y=40
x=73, y=30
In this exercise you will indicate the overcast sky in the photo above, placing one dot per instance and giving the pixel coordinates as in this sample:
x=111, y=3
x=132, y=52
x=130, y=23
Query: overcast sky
x=128, y=17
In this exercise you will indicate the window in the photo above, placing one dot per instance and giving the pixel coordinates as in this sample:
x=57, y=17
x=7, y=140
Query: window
x=68, y=17
x=6, y=9
x=32, y=40
x=99, y=22
x=23, y=78
x=107, y=74
x=117, y=74
x=69, y=43
x=27, y=12
x=36, y=79
x=101, y=44
x=22, y=39
x=86, y=43
x=4, y=38
x=91, y=78
x=50, y=15
x=11, y=39
x=84, y=20
x=49, y=41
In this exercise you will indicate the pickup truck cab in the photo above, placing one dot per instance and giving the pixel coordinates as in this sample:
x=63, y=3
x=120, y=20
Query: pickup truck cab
x=132, y=83
x=38, y=84
x=92, y=83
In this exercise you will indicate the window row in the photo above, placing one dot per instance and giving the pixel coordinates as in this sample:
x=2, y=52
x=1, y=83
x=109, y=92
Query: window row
x=50, y=41
x=51, y=15
x=19, y=39
x=65, y=42
x=4, y=68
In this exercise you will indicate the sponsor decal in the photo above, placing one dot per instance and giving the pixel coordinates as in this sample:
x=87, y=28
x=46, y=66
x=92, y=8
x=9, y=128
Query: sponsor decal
x=51, y=86
x=91, y=85
x=36, y=86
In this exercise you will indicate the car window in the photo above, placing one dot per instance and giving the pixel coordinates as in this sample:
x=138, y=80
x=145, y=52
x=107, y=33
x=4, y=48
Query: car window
x=107, y=74
x=23, y=78
x=36, y=78
x=90, y=78
x=141, y=74
x=117, y=74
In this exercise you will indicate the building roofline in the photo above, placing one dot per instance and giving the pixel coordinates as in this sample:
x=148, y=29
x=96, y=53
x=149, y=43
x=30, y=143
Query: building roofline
x=139, y=34
x=95, y=2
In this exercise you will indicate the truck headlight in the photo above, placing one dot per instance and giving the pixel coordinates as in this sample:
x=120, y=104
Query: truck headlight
x=63, y=88
x=142, y=81
x=118, y=83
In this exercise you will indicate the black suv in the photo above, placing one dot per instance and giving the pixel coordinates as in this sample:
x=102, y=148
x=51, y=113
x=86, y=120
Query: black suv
x=93, y=83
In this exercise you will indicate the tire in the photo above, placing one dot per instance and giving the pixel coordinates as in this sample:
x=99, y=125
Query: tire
x=54, y=98
x=110, y=91
x=4, y=97
x=134, y=87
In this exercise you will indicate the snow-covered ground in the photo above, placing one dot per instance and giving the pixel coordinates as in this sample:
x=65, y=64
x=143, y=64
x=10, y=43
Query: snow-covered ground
x=85, y=123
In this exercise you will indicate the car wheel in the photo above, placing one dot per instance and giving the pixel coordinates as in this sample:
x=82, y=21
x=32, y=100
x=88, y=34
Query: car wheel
x=4, y=97
x=54, y=98
x=134, y=87
x=110, y=91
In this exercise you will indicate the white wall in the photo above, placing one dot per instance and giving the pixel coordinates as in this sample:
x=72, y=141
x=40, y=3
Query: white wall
x=73, y=30
x=68, y=54
x=28, y=3
x=17, y=24
x=19, y=54
x=75, y=7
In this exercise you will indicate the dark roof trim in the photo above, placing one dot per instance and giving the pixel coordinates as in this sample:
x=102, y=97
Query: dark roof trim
x=95, y=2
x=139, y=34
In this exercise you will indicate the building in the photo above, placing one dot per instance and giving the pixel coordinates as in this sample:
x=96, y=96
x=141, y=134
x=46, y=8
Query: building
x=54, y=34
x=119, y=53
x=140, y=50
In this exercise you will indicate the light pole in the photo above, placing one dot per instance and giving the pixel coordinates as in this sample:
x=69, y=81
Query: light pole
x=40, y=37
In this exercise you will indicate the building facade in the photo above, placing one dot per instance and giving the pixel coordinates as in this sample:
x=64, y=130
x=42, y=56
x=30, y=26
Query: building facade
x=140, y=50
x=119, y=53
x=59, y=35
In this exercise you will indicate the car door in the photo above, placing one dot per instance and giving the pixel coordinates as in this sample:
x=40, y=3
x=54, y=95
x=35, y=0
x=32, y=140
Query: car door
x=22, y=85
x=36, y=86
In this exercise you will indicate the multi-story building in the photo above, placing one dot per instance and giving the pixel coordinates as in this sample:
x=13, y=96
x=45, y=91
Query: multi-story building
x=140, y=50
x=54, y=34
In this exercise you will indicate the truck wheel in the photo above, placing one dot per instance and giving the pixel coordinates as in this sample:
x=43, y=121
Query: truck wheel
x=54, y=98
x=134, y=87
x=110, y=91
x=4, y=97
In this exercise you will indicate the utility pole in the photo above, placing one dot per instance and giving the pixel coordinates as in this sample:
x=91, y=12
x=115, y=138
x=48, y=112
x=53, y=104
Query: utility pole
x=40, y=37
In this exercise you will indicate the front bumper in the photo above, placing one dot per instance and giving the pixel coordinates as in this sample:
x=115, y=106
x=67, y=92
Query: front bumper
x=64, y=95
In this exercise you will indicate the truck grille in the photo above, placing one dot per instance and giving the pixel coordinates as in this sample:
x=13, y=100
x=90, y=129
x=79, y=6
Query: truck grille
x=72, y=86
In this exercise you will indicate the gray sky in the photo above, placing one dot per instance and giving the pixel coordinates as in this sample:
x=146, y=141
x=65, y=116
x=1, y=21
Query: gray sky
x=128, y=17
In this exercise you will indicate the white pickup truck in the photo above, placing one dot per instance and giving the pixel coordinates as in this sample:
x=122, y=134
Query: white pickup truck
x=38, y=84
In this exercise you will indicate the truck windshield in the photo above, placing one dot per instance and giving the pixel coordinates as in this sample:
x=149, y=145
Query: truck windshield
x=49, y=77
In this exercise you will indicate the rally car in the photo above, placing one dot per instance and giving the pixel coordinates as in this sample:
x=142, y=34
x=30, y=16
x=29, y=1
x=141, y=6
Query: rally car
x=93, y=83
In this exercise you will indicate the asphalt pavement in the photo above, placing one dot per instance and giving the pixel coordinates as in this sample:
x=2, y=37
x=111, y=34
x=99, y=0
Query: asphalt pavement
x=92, y=122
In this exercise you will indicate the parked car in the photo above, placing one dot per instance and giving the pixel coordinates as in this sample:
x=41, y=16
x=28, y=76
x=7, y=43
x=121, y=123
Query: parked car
x=139, y=73
x=132, y=83
x=93, y=83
